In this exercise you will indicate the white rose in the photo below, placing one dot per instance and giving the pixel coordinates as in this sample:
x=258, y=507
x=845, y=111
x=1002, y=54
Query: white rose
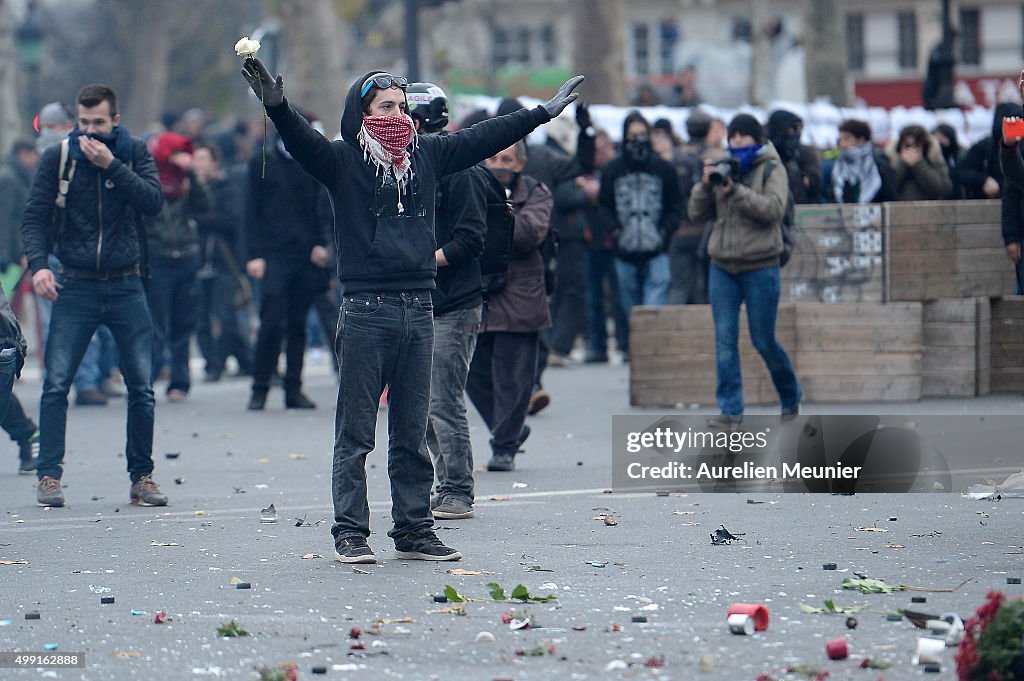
x=246, y=47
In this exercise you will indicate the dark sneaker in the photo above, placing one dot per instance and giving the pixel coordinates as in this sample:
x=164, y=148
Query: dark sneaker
x=425, y=547
x=298, y=401
x=523, y=434
x=453, y=508
x=28, y=454
x=790, y=413
x=353, y=550
x=146, y=493
x=258, y=400
x=595, y=358
x=502, y=462
x=538, y=401
x=725, y=421
x=48, y=492
x=93, y=397
x=436, y=501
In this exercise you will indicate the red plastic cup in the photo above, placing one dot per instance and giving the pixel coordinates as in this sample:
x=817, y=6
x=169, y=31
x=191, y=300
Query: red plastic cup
x=836, y=649
x=755, y=610
x=1013, y=127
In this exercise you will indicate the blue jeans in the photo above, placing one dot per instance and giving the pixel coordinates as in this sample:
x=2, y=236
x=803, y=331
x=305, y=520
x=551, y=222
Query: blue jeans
x=760, y=290
x=645, y=283
x=82, y=306
x=384, y=340
x=8, y=365
x=447, y=426
x=601, y=268
x=100, y=357
x=173, y=297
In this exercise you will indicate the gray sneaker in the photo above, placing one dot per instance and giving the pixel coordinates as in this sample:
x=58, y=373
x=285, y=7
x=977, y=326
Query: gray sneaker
x=48, y=492
x=146, y=493
x=453, y=508
x=436, y=501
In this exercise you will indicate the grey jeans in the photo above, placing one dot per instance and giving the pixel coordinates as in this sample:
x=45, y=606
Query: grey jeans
x=447, y=425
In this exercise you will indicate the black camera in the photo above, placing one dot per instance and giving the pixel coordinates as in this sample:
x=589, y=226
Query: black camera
x=726, y=168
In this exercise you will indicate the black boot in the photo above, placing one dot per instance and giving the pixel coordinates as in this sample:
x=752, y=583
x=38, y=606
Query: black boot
x=258, y=400
x=296, y=400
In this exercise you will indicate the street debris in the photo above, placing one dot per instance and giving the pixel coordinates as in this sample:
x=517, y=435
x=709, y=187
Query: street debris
x=311, y=556
x=870, y=528
x=162, y=618
x=639, y=619
x=163, y=543
x=499, y=497
x=607, y=519
x=519, y=485
x=13, y=562
x=288, y=671
x=172, y=455
x=231, y=630
x=836, y=649
x=302, y=522
x=129, y=655
x=460, y=571
x=684, y=513
x=498, y=595
x=831, y=609
x=722, y=536
x=851, y=622
x=268, y=515
x=741, y=624
x=828, y=566
x=99, y=589
x=870, y=663
x=484, y=636
x=136, y=613
x=106, y=600
x=243, y=585
x=361, y=571
x=456, y=609
x=755, y=610
x=929, y=651
x=1012, y=487
x=295, y=456
x=871, y=586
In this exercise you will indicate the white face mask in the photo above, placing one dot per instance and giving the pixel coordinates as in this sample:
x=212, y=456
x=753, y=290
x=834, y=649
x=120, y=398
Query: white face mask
x=48, y=137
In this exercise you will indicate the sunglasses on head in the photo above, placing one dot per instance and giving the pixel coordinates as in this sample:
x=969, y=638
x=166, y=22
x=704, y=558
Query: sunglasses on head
x=384, y=81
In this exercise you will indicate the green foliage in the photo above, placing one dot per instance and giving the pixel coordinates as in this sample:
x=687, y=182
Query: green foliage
x=231, y=630
x=832, y=609
x=872, y=586
x=1001, y=641
x=498, y=595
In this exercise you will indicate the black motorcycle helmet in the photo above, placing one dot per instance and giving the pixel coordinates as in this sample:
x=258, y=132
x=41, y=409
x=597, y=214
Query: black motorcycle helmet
x=428, y=104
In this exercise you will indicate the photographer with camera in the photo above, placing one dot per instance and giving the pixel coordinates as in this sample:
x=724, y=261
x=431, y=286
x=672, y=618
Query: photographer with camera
x=745, y=194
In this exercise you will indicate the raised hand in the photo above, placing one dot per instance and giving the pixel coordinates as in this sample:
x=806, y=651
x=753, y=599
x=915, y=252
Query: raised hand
x=583, y=116
x=267, y=88
x=564, y=97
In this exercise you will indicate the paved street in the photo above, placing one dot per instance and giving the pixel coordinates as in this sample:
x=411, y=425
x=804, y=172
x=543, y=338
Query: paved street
x=540, y=526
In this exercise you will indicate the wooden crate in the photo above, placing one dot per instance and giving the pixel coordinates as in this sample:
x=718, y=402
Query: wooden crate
x=956, y=335
x=672, y=356
x=1008, y=344
x=854, y=352
x=837, y=256
x=945, y=249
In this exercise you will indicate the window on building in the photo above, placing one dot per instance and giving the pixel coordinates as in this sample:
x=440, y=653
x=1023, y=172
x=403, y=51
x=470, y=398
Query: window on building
x=641, y=49
x=549, y=52
x=855, y=41
x=511, y=46
x=970, y=37
x=669, y=36
x=907, y=22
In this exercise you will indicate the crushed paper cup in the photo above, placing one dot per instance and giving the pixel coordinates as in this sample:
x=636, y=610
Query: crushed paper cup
x=929, y=651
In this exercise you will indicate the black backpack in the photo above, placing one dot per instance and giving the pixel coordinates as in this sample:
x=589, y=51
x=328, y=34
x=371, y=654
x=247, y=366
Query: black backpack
x=788, y=226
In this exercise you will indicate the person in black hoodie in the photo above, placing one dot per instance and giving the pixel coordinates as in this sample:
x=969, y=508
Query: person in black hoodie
x=460, y=226
x=980, y=172
x=383, y=182
x=641, y=191
x=288, y=215
x=802, y=162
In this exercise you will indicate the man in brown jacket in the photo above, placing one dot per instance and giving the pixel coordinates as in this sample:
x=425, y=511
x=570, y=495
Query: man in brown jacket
x=501, y=374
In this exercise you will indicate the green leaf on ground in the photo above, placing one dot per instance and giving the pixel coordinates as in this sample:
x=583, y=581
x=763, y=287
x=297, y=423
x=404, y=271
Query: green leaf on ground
x=832, y=609
x=872, y=586
x=497, y=593
x=231, y=630
x=453, y=595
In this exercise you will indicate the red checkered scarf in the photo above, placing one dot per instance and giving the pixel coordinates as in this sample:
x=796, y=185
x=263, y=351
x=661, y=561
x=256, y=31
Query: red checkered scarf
x=385, y=141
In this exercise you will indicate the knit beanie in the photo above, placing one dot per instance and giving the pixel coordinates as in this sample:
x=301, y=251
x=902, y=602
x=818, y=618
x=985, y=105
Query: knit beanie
x=746, y=124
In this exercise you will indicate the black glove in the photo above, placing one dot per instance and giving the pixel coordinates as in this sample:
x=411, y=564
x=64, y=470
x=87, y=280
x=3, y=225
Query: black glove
x=564, y=97
x=583, y=116
x=269, y=90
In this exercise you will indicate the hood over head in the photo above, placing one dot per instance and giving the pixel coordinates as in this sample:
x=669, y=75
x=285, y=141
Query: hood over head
x=352, y=116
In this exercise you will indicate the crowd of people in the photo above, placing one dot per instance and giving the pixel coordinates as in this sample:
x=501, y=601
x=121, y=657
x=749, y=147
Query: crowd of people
x=135, y=246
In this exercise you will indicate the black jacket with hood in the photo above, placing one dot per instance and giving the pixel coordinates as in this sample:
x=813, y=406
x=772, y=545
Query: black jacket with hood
x=645, y=202
x=378, y=248
x=460, y=229
x=982, y=160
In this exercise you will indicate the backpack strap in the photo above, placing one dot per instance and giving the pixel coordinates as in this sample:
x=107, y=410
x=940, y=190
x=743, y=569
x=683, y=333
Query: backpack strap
x=65, y=173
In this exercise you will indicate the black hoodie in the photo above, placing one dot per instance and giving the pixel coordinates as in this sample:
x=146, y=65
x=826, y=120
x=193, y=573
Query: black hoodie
x=378, y=249
x=982, y=160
